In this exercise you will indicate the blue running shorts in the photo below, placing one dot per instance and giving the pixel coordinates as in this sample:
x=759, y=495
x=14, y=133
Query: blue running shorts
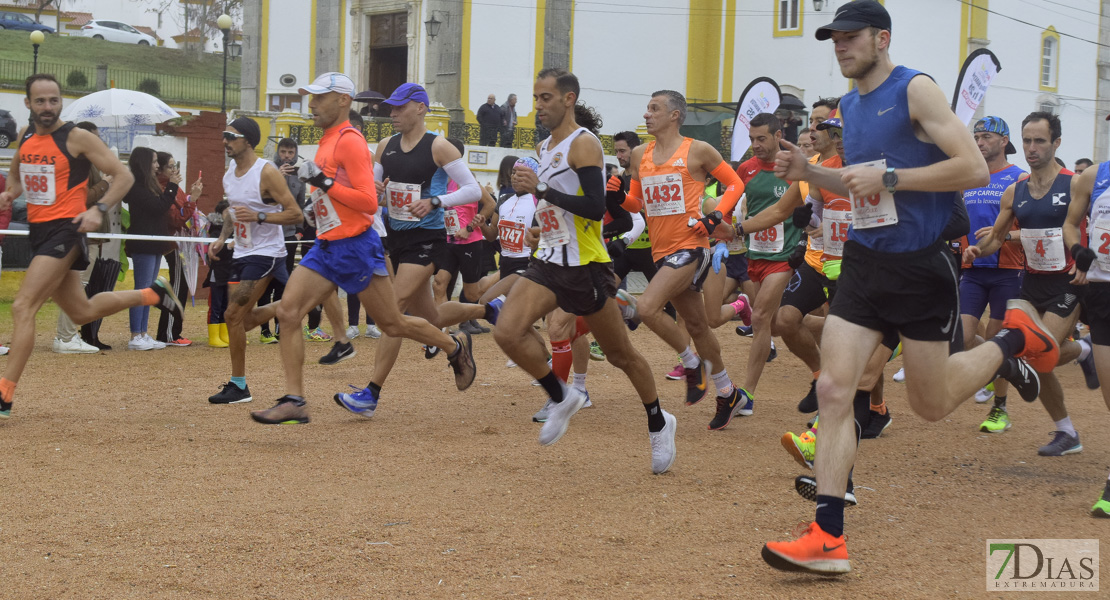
x=350, y=262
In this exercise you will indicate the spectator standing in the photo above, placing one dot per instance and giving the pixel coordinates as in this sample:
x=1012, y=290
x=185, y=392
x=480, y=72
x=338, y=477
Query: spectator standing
x=489, y=121
x=219, y=273
x=169, y=328
x=103, y=254
x=542, y=133
x=286, y=162
x=508, y=122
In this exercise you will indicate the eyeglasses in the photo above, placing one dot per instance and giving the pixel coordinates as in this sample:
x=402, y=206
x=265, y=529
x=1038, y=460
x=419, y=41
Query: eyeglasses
x=229, y=136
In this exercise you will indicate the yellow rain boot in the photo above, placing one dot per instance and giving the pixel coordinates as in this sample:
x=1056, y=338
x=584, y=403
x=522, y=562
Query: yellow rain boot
x=223, y=333
x=214, y=339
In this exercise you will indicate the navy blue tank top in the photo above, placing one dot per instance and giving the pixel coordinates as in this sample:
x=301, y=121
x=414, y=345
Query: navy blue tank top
x=1047, y=212
x=877, y=126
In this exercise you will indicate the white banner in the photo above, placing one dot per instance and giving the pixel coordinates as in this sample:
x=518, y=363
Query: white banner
x=761, y=96
x=978, y=71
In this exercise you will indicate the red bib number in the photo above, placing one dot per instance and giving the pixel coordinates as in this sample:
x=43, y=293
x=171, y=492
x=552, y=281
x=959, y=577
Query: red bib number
x=663, y=195
x=401, y=196
x=38, y=184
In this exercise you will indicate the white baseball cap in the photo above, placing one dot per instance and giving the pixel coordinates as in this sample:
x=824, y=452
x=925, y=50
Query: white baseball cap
x=330, y=82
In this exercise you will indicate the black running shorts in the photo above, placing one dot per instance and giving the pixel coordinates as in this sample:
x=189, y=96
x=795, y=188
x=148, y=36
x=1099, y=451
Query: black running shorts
x=580, y=291
x=912, y=293
x=807, y=290
x=513, y=266
x=56, y=239
x=416, y=246
x=463, y=259
x=1097, y=304
x=699, y=257
x=1052, y=292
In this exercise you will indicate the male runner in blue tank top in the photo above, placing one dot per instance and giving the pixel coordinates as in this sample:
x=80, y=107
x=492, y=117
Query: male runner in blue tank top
x=909, y=154
x=1039, y=204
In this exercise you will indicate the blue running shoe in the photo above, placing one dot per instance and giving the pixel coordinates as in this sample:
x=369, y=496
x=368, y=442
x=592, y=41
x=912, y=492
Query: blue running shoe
x=362, y=401
x=746, y=406
x=493, y=309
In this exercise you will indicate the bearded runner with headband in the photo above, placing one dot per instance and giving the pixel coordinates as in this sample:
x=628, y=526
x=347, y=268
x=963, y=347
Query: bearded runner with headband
x=259, y=203
x=51, y=169
x=571, y=268
x=417, y=235
x=348, y=254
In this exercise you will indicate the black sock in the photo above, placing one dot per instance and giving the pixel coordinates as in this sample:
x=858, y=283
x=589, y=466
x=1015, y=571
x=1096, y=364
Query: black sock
x=1012, y=341
x=1106, y=492
x=861, y=410
x=1000, y=402
x=552, y=386
x=830, y=514
x=655, y=416
x=489, y=313
x=373, y=387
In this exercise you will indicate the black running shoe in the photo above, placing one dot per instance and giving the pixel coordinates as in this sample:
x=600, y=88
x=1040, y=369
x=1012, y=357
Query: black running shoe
x=809, y=403
x=339, y=352
x=726, y=408
x=167, y=300
x=1088, y=366
x=231, y=394
x=877, y=425
x=806, y=486
x=697, y=383
x=1024, y=379
x=744, y=330
x=774, y=353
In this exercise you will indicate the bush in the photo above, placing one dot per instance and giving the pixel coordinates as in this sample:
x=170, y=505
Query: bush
x=151, y=86
x=77, y=80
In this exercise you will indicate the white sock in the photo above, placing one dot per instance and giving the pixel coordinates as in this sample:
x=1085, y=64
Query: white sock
x=723, y=383
x=1084, y=349
x=579, y=381
x=1065, y=426
x=688, y=358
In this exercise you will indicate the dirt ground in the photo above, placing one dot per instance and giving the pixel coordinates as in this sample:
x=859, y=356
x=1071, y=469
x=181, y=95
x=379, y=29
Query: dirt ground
x=121, y=481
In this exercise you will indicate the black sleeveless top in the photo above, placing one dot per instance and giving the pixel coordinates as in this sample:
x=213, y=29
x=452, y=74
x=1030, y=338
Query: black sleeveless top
x=414, y=166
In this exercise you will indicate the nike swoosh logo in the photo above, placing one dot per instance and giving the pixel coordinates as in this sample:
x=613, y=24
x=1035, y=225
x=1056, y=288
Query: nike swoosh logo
x=883, y=112
x=1103, y=182
x=1047, y=343
x=827, y=549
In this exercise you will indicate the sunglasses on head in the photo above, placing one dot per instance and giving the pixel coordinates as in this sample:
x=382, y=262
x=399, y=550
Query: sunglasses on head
x=835, y=133
x=229, y=136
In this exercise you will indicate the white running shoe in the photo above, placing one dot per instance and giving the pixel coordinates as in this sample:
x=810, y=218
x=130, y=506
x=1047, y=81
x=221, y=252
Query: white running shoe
x=509, y=364
x=558, y=416
x=985, y=394
x=4, y=350
x=373, y=332
x=662, y=445
x=140, y=343
x=352, y=332
x=900, y=376
x=541, y=414
x=156, y=345
x=74, y=346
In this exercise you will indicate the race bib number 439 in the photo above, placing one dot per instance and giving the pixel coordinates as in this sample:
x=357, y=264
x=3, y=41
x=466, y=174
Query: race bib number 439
x=38, y=184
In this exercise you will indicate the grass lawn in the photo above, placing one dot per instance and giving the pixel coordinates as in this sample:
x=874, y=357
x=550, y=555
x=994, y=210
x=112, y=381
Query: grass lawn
x=87, y=52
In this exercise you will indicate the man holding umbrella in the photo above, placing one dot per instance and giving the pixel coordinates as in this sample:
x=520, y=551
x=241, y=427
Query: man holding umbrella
x=52, y=168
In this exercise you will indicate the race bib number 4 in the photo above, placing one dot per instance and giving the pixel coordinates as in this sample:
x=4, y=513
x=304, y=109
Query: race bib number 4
x=401, y=196
x=770, y=240
x=1044, y=248
x=511, y=234
x=553, y=227
x=38, y=184
x=663, y=195
x=326, y=217
x=874, y=211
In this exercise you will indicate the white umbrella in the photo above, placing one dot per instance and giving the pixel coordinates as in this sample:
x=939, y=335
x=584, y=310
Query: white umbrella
x=118, y=108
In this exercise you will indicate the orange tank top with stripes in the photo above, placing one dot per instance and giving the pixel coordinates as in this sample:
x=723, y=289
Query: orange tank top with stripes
x=55, y=183
x=671, y=197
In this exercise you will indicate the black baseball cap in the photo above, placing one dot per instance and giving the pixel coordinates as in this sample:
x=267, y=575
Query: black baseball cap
x=854, y=16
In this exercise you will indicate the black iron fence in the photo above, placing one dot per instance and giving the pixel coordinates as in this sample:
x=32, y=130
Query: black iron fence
x=170, y=88
x=376, y=130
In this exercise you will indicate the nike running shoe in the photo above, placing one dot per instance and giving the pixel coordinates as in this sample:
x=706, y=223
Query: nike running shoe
x=558, y=416
x=167, y=300
x=663, y=450
x=1041, y=350
x=697, y=382
x=1062, y=444
x=627, y=304
x=230, y=394
x=998, y=420
x=814, y=552
x=1101, y=509
x=339, y=352
x=986, y=394
x=677, y=373
x=287, y=411
x=462, y=362
x=806, y=486
x=1088, y=365
x=726, y=409
x=361, y=401
x=877, y=425
x=541, y=414
x=595, y=351
x=809, y=403
x=802, y=447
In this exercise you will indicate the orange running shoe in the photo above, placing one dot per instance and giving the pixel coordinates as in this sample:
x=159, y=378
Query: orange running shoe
x=814, y=552
x=1041, y=350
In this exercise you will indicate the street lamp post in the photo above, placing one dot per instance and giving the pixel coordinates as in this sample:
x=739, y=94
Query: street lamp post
x=224, y=23
x=36, y=38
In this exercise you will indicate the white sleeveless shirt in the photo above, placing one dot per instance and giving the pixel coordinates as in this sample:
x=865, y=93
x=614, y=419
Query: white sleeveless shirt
x=253, y=238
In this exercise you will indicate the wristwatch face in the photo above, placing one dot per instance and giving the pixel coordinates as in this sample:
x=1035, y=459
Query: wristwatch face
x=541, y=188
x=102, y=207
x=890, y=179
x=329, y=182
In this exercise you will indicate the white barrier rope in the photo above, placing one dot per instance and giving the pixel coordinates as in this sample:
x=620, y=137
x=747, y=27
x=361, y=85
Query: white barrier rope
x=153, y=238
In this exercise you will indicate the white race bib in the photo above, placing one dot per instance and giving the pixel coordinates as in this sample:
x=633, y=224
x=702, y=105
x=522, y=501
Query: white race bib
x=874, y=211
x=1100, y=241
x=554, y=231
x=737, y=246
x=401, y=196
x=770, y=240
x=511, y=234
x=326, y=217
x=451, y=221
x=1044, y=248
x=834, y=230
x=38, y=183
x=244, y=236
x=663, y=195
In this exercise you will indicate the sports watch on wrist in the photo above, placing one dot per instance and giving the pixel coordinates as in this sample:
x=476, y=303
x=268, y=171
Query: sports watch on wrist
x=890, y=179
x=435, y=201
x=541, y=190
x=261, y=217
x=103, y=208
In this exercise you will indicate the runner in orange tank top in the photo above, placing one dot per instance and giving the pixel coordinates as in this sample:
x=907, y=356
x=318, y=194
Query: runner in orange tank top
x=668, y=178
x=51, y=169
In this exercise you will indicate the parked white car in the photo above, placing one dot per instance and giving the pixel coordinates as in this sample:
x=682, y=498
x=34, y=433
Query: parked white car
x=114, y=31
